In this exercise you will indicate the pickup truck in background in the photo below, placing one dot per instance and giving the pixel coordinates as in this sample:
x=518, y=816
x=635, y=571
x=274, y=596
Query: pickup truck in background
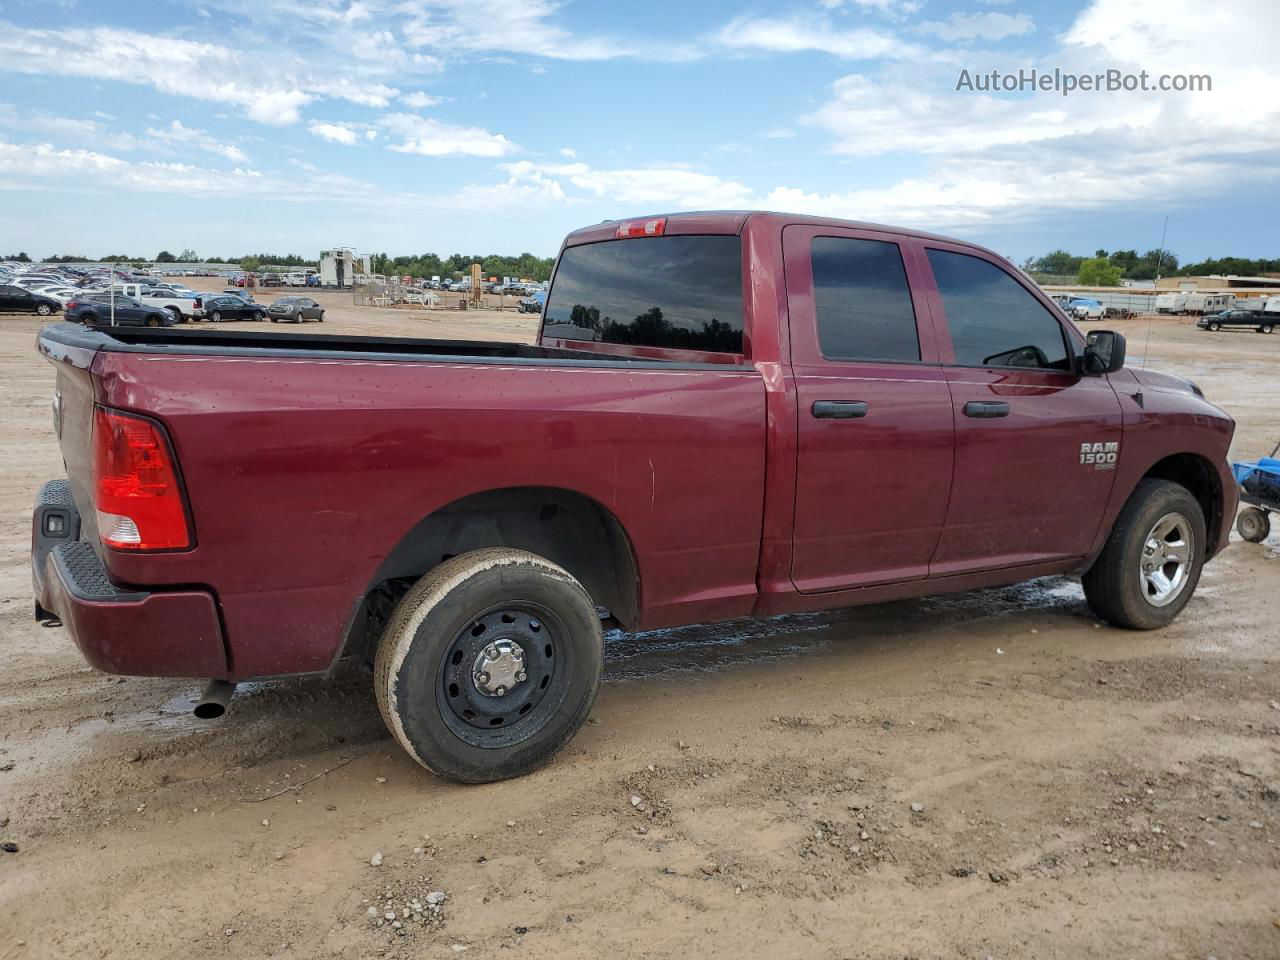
x=725, y=415
x=181, y=307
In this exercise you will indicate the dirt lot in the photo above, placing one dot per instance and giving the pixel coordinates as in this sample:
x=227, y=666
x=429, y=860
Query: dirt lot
x=742, y=790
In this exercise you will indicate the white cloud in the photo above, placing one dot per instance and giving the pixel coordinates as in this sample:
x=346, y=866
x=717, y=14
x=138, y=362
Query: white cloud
x=568, y=152
x=333, y=132
x=979, y=26
x=434, y=138
x=668, y=186
x=178, y=135
x=1006, y=158
x=418, y=100
x=796, y=35
x=270, y=86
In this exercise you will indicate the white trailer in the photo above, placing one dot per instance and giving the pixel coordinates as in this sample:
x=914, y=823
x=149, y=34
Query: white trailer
x=337, y=268
x=1171, y=303
x=1202, y=303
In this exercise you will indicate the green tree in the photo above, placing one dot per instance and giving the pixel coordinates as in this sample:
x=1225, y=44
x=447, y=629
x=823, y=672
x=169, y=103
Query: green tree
x=250, y=264
x=1100, y=272
x=1058, y=262
x=164, y=256
x=18, y=258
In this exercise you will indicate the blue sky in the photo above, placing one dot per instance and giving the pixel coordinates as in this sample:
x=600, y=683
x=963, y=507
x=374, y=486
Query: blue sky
x=405, y=126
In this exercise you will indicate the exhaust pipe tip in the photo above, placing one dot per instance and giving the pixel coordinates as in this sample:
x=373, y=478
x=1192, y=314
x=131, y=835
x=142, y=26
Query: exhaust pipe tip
x=216, y=699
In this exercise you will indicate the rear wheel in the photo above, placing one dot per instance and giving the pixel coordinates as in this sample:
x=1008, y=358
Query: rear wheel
x=44, y=309
x=1215, y=325
x=1266, y=328
x=1253, y=524
x=1150, y=564
x=490, y=665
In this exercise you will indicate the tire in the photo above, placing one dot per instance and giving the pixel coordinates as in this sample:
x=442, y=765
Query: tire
x=154, y=321
x=215, y=317
x=259, y=316
x=320, y=319
x=430, y=652
x=43, y=309
x=274, y=320
x=1266, y=328
x=1253, y=524
x=1116, y=587
x=175, y=313
x=1215, y=326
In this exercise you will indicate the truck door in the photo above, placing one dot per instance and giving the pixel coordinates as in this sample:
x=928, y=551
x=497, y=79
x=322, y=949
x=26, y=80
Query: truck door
x=875, y=432
x=1036, y=443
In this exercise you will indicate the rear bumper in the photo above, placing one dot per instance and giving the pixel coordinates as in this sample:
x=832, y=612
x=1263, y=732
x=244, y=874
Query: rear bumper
x=118, y=630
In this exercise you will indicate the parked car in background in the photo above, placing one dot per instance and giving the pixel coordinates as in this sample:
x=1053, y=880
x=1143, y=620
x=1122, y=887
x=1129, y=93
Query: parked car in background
x=224, y=307
x=1262, y=322
x=181, y=307
x=17, y=300
x=1084, y=308
x=295, y=310
x=98, y=309
x=534, y=303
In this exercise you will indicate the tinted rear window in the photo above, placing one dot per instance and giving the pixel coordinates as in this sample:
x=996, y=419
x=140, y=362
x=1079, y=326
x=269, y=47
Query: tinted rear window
x=862, y=300
x=683, y=293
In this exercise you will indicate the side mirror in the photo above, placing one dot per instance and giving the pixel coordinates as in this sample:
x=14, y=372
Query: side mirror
x=1103, y=352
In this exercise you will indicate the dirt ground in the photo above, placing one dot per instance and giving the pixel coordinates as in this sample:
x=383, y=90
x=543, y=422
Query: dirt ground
x=984, y=774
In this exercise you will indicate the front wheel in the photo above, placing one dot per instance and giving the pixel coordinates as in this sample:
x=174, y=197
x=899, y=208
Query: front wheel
x=1253, y=524
x=1150, y=565
x=1215, y=326
x=489, y=665
x=215, y=317
x=1266, y=328
x=44, y=309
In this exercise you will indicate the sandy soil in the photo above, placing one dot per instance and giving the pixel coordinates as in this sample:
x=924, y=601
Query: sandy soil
x=742, y=790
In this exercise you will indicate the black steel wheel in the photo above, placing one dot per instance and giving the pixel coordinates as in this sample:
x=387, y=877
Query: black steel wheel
x=489, y=665
x=498, y=671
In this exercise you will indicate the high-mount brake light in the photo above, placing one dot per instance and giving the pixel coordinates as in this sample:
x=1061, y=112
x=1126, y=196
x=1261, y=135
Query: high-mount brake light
x=137, y=495
x=642, y=228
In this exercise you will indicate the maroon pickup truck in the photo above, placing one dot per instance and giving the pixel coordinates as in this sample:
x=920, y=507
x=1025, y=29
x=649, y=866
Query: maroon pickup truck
x=725, y=415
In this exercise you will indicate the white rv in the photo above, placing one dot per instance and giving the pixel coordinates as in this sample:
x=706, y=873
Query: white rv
x=1171, y=303
x=1203, y=303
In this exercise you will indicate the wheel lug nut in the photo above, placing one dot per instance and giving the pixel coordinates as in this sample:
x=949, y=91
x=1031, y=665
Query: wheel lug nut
x=501, y=691
x=520, y=676
x=482, y=678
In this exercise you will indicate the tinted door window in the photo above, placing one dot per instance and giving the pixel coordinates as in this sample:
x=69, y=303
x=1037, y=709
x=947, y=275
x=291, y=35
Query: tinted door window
x=862, y=300
x=679, y=292
x=994, y=321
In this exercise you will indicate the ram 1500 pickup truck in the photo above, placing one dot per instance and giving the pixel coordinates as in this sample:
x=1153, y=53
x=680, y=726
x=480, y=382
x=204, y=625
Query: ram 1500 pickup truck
x=724, y=415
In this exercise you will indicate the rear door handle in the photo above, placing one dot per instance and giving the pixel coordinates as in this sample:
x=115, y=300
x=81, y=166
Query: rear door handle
x=984, y=409
x=839, y=409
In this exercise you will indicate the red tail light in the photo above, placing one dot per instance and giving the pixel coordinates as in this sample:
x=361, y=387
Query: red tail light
x=139, y=501
x=642, y=228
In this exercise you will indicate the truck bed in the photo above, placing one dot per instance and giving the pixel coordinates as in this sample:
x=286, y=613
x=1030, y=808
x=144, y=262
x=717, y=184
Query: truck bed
x=309, y=462
x=206, y=342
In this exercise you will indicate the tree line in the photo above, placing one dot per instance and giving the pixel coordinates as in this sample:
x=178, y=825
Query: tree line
x=526, y=265
x=1108, y=268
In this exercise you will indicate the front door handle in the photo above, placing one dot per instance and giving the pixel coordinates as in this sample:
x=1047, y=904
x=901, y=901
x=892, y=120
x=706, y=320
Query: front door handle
x=839, y=409
x=984, y=409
